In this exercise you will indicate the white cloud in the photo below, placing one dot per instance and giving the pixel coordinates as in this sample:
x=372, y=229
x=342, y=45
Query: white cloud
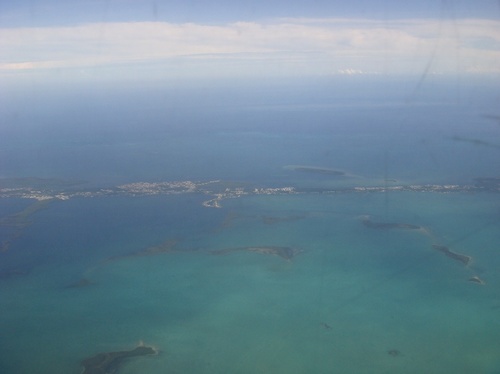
x=302, y=46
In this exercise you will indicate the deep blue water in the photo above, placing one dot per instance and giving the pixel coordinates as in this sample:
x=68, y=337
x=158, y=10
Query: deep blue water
x=356, y=300
x=250, y=132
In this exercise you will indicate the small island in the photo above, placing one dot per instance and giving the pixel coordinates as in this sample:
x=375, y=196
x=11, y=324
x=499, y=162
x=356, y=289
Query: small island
x=109, y=362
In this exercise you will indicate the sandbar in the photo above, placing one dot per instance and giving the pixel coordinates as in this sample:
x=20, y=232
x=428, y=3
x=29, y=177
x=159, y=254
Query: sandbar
x=476, y=279
x=109, y=362
x=456, y=256
x=316, y=170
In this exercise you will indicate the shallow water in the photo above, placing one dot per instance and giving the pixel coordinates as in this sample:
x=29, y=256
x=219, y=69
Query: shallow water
x=352, y=296
x=354, y=300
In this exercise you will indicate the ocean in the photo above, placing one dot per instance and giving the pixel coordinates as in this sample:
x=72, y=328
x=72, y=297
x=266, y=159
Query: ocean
x=354, y=271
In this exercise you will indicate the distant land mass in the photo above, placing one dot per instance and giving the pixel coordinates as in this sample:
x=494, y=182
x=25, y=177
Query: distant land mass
x=46, y=190
x=216, y=190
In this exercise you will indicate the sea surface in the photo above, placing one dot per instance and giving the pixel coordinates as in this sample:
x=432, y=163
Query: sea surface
x=79, y=277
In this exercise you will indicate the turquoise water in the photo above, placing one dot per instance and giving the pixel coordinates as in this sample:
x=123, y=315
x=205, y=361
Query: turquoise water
x=247, y=312
x=355, y=300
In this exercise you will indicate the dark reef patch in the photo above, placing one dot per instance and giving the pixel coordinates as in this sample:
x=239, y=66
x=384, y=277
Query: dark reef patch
x=110, y=362
x=394, y=353
x=454, y=255
x=284, y=252
x=390, y=225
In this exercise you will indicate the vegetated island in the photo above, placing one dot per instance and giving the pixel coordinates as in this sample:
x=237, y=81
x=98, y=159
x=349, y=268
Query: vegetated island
x=218, y=190
x=109, y=362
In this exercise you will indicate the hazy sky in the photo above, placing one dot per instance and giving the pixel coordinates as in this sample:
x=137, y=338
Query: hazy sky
x=224, y=38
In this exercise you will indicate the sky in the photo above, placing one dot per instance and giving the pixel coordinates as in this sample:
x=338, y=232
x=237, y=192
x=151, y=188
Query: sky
x=137, y=39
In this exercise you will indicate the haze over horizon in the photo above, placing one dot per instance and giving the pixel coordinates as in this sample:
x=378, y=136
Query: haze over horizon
x=202, y=40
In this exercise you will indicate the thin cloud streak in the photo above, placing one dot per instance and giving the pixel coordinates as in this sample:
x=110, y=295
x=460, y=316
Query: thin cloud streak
x=306, y=45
